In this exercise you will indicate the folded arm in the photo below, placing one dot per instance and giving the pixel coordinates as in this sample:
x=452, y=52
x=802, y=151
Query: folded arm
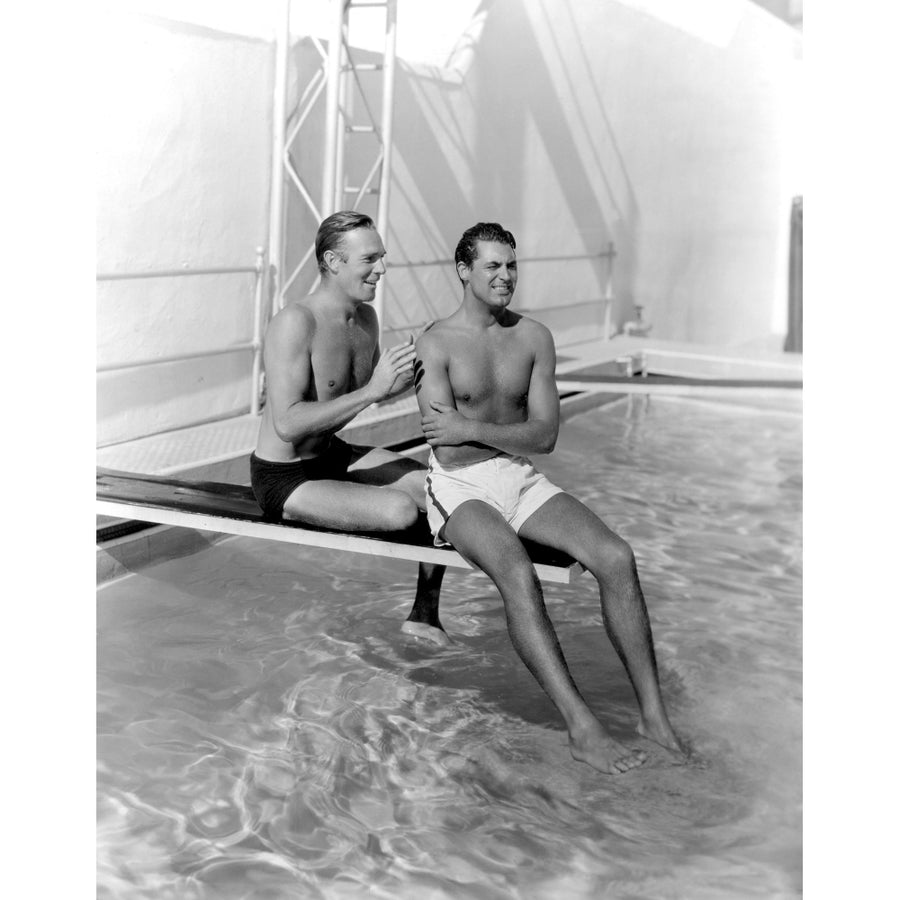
x=452, y=434
x=538, y=433
x=432, y=382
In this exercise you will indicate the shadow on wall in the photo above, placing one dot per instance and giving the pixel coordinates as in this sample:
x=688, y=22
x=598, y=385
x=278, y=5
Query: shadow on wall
x=547, y=155
x=523, y=138
x=430, y=192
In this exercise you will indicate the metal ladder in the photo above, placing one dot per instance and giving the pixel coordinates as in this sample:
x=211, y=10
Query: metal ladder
x=333, y=78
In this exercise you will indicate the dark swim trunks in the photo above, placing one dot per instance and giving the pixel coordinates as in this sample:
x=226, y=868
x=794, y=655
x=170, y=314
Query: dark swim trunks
x=274, y=482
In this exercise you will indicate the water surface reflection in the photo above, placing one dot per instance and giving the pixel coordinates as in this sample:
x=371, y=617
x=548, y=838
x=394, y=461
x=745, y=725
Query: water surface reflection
x=265, y=731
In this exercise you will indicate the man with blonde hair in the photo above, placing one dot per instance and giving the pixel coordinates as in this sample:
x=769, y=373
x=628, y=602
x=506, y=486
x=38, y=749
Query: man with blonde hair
x=323, y=367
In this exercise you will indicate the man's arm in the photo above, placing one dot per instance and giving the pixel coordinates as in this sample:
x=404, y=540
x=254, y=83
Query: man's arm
x=432, y=380
x=288, y=362
x=445, y=427
x=538, y=433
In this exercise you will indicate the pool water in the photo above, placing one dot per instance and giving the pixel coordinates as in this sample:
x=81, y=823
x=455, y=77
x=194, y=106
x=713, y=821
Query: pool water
x=265, y=731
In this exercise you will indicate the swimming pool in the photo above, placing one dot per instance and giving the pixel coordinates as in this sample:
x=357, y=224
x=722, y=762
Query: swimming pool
x=265, y=731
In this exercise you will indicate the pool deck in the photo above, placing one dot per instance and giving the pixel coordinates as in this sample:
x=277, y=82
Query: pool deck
x=220, y=450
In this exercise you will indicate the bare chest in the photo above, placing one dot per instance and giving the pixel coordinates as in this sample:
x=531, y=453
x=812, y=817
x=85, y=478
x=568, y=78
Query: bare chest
x=341, y=358
x=490, y=374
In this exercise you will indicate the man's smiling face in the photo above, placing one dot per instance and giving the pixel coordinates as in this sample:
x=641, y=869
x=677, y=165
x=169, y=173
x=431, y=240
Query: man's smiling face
x=493, y=275
x=361, y=263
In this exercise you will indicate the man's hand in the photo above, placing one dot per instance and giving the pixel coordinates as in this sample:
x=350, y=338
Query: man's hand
x=446, y=427
x=394, y=372
x=422, y=331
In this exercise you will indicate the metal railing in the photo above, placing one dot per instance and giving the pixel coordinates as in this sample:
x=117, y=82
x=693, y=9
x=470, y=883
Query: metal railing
x=607, y=299
x=259, y=271
x=254, y=345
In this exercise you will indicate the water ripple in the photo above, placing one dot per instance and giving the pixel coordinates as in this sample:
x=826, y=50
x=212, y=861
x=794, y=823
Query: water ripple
x=264, y=731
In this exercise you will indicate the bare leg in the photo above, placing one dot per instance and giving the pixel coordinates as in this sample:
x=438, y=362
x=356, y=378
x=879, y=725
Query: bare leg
x=384, y=492
x=567, y=524
x=378, y=466
x=350, y=507
x=423, y=620
x=484, y=538
x=384, y=468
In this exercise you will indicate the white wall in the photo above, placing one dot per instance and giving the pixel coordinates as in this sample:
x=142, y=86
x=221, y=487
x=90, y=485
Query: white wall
x=597, y=121
x=183, y=180
x=574, y=123
x=701, y=126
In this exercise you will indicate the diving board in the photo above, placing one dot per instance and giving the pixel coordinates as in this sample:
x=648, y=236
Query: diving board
x=232, y=509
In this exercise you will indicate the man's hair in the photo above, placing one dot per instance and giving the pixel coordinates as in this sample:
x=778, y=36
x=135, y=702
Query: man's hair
x=467, y=248
x=331, y=233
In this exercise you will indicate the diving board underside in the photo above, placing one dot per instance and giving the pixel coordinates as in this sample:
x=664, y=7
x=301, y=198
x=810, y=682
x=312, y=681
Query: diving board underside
x=231, y=509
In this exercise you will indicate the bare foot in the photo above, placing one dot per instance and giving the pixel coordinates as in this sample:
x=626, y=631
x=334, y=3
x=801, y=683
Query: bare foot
x=425, y=632
x=660, y=731
x=596, y=748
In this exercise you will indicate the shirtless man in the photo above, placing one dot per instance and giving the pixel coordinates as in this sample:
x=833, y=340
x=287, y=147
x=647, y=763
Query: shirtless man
x=486, y=388
x=323, y=366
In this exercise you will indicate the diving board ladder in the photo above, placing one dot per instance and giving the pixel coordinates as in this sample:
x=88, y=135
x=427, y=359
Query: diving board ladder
x=339, y=79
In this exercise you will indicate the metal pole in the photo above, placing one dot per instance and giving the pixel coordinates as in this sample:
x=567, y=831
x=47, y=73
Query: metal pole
x=173, y=273
x=387, y=131
x=257, y=330
x=332, y=96
x=279, y=118
x=607, y=314
x=176, y=357
x=344, y=115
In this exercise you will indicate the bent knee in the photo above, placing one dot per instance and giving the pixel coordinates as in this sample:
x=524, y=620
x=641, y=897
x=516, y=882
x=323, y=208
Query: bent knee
x=515, y=572
x=614, y=557
x=399, y=510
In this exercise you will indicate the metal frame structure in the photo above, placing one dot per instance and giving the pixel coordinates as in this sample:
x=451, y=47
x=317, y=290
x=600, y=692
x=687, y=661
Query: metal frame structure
x=333, y=78
x=255, y=344
x=336, y=78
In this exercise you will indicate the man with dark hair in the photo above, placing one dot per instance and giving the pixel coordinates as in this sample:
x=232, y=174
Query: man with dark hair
x=323, y=367
x=486, y=388
x=467, y=248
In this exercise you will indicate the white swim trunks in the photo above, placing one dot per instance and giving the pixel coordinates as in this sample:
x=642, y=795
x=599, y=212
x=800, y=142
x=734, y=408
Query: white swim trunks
x=510, y=484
